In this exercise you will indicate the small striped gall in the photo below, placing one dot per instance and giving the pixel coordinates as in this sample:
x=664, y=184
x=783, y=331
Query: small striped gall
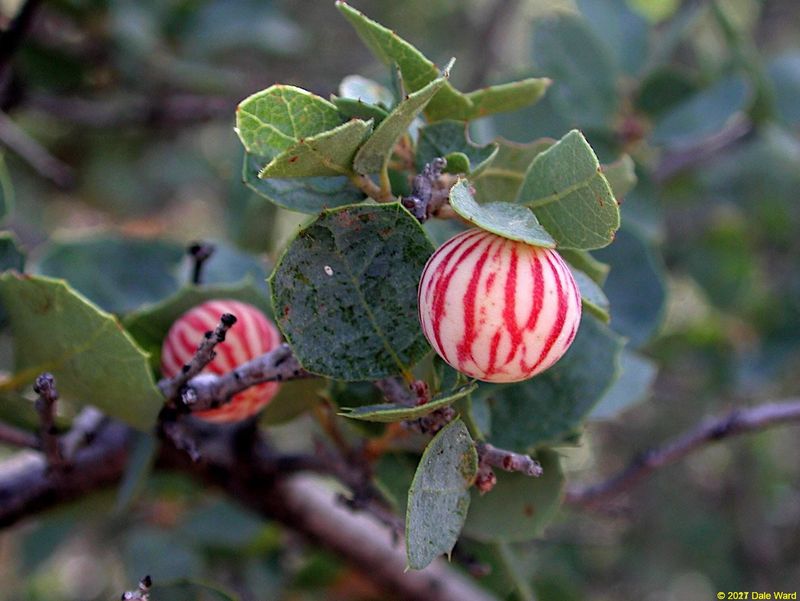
x=252, y=335
x=497, y=309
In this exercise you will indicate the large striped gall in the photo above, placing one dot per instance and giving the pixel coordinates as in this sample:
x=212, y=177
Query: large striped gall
x=252, y=335
x=497, y=309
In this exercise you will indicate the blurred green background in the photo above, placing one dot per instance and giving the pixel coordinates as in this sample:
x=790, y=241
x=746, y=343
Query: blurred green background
x=127, y=112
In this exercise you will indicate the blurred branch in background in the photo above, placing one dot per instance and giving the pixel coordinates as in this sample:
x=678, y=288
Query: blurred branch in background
x=738, y=421
x=36, y=155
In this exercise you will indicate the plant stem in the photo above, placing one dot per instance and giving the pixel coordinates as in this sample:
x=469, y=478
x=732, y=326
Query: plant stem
x=506, y=558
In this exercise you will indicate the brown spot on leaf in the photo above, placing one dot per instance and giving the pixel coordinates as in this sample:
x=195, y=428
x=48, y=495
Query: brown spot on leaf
x=528, y=510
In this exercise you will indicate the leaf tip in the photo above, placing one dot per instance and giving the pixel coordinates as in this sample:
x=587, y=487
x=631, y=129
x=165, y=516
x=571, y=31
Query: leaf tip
x=448, y=67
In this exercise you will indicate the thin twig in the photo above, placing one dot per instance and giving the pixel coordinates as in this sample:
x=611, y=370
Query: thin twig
x=16, y=437
x=171, y=388
x=692, y=156
x=738, y=421
x=171, y=111
x=208, y=391
x=200, y=253
x=371, y=189
x=508, y=460
x=45, y=387
x=44, y=163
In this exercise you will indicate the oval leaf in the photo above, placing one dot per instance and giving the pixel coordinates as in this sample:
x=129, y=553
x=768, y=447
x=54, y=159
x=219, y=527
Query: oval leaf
x=439, y=497
x=569, y=194
x=345, y=292
x=270, y=121
x=301, y=194
x=328, y=153
x=117, y=274
x=374, y=155
x=502, y=218
x=592, y=295
x=95, y=362
x=389, y=412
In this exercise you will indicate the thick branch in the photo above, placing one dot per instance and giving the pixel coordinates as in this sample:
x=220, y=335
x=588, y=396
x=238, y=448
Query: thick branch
x=738, y=421
x=208, y=391
x=28, y=486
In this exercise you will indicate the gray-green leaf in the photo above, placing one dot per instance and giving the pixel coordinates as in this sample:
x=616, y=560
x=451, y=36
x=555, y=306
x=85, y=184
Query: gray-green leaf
x=373, y=156
x=302, y=194
x=94, y=361
x=565, y=187
x=328, y=153
x=345, y=292
x=390, y=412
x=275, y=119
x=511, y=221
x=439, y=496
x=592, y=295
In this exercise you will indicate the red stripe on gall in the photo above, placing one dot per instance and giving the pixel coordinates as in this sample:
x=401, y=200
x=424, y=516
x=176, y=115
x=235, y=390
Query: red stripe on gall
x=497, y=309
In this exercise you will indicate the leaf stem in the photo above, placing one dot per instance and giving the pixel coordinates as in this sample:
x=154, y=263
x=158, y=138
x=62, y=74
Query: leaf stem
x=382, y=193
x=506, y=558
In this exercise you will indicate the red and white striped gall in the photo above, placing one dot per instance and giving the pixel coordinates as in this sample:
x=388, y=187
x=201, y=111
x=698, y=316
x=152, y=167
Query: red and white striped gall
x=497, y=309
x=252, y=335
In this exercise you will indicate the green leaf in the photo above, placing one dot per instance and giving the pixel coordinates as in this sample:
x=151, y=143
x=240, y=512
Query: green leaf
x=544, y=409
x=345, y=292
x=7, y=194
x=502, y=218
x=439, y=496
x=446, y=138
x=417, y=71
x=569, y=194
x=633, y=386
x=592, y=296
x=634, y=259
x=582, y=66
x=94, y=361
x=149, y=325
x=275, y=119
x=501, y=180
x=351, y=108
x=390, y=412
x=704, y=114
x=585, y=262
x=518, y=507
x=507, y=97
x=117, y=274
x=328, y=153
x=374, y=155
x=621, y=176
x=301, y=194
